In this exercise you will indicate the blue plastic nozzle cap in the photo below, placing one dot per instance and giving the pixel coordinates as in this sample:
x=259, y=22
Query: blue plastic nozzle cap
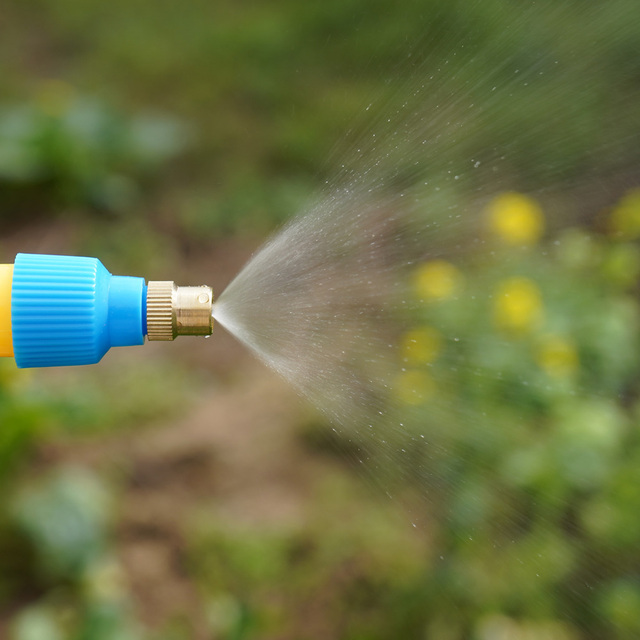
x=68, y=310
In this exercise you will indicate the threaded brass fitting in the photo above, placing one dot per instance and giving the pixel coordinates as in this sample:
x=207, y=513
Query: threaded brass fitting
x=178, y=311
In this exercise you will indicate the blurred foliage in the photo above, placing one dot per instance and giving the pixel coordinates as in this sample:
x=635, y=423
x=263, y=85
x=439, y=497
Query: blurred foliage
x=65, y=517
x=542, y=354
x=22, y=418
x=56, y=547
x=537, y=398
x=361, y=571
x=79, y=152
x=270, y=89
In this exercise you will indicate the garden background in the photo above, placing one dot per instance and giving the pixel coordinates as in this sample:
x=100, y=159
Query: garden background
x=184, y=491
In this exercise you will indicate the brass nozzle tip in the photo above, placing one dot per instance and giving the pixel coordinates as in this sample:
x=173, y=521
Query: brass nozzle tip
x=178, y=311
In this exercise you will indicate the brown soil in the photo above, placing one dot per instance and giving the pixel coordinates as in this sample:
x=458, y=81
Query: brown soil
x=226, y=456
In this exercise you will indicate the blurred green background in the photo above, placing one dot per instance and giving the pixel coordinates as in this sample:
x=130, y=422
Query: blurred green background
x=182, y=492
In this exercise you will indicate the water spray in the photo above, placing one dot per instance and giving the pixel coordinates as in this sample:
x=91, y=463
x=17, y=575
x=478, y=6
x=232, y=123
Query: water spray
x=67, y=310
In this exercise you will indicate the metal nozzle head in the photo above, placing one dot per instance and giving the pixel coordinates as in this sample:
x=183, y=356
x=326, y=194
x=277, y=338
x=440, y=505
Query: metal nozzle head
x=178, y=311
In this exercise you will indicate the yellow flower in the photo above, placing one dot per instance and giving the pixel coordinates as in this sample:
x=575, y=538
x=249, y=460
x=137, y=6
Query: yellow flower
x=54, y=97
x=518, y=305
x=414, y=387
x=557, y=356
x=437, y=280
x=515, y=218
x=625, y=218
x=421, y=345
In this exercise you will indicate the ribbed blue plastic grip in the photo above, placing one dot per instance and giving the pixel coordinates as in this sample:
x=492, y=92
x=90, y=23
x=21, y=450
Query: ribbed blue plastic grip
x=70, y=311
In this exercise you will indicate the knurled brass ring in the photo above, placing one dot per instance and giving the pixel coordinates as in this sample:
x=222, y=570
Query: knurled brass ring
x=178, y=311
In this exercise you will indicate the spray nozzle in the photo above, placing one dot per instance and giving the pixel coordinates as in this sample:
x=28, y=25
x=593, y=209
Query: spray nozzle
x=66, y=310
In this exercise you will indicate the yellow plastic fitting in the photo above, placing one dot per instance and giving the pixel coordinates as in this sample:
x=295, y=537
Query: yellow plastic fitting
x=6, y=339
